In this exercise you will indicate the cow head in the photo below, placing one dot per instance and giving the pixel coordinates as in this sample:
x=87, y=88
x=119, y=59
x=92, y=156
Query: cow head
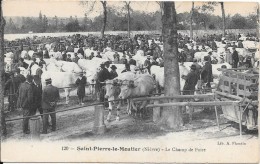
x=111, y=86
x=126, y=89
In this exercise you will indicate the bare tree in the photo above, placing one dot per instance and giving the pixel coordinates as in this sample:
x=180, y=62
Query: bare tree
x=171, y=116
x=90, y=5
x=127, y=5
x=2, y=25
x=191, y=20
x=258, y=21
x=223, y=18
x=104, y=5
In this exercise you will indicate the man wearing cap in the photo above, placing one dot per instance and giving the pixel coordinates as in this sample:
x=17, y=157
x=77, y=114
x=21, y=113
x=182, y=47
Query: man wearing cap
x=113, y=73
x=50, y=96
x=25, y=101
x=190, y=81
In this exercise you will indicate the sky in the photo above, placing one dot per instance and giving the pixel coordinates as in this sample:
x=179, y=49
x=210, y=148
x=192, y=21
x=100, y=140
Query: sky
x=66, y=8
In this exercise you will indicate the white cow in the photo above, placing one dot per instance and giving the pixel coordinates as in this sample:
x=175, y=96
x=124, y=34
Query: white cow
x=62, y=80
x=113, y=90
x=241, y=51
x=69, y=66
x=88, y=52
x=249, y=44
x=90, y=67
x=158, y=72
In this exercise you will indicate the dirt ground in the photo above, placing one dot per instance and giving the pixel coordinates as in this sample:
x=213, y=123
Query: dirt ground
x=77, y=124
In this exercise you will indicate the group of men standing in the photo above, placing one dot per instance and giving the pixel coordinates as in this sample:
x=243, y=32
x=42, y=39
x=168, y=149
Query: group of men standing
x=27, y=94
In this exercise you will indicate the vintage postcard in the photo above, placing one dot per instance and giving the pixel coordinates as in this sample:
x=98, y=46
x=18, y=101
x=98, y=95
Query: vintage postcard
x=129, y=81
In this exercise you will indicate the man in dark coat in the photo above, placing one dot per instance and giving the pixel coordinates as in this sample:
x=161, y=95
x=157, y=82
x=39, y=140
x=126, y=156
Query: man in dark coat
x=206, y=72
x=103, y=75
x=131, y=61
x=20, y=78
x=37, y=95
x=127, y=68
x=147, y=63
x=25, y=101
x=235, y=58
x=11, y=86
x=113, y=73
x=190, y=81
x=50, y=96
x=81, y=84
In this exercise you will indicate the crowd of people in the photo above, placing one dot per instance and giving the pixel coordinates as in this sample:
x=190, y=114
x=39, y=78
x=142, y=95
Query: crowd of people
x=28, y=94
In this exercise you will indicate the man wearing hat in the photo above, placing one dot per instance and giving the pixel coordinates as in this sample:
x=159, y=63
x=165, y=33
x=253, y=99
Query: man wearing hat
x=113, y=73
x=206, y=72
x=81, y=84
x=25, y=101
x=50, y=96
x=102, y=76
x=190, y=81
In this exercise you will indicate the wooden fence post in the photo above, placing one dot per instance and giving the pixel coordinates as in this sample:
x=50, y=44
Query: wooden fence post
x=35, y=127
x=156, y=111
x=99, y=126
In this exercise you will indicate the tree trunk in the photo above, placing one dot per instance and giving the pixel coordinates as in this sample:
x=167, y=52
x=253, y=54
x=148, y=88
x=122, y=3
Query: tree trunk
x=171, y=116
x=2, y=25
x=223, y=19
x=104, y=4
x=258, y=22
x=191, y=20
x=128, y=18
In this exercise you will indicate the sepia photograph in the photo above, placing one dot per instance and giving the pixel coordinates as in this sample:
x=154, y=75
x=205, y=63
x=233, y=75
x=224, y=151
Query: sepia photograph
x=129, y=81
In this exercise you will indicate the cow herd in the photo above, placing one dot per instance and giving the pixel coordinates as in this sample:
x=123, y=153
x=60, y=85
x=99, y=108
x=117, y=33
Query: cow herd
x=128, y=84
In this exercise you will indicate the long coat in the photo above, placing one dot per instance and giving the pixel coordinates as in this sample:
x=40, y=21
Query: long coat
x=206, y=73
x=12, y=86
x=50, y=94
x=37, y=95
x=81, y=83
x=25, y=98
x=190, y=83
